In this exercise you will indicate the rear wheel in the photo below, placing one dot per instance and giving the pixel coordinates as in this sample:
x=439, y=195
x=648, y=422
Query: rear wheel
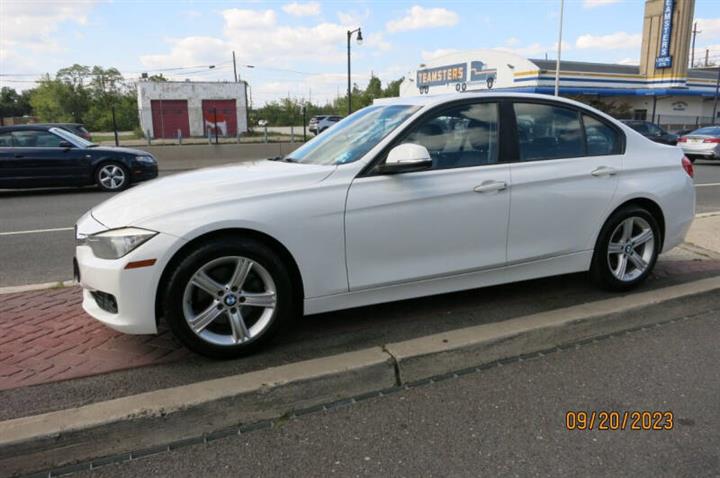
x=228, y=297
x=626, y=250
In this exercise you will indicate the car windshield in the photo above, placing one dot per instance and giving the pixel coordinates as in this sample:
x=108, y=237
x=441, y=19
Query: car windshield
x=72, y=138
x=711, y=131
x=353, y=137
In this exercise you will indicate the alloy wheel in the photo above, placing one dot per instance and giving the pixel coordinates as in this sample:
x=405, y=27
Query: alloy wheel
x=631, y=248
x=112, y=176
x=229, y=301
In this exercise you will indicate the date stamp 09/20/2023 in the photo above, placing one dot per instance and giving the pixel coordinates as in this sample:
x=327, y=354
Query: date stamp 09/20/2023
x=614, y=420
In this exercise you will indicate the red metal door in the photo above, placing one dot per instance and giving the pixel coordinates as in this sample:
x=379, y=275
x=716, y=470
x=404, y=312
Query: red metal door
x=220, y=114
x=168, y=117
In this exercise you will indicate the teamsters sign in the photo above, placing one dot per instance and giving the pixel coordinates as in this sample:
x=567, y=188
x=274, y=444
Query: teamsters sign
x=664, y=60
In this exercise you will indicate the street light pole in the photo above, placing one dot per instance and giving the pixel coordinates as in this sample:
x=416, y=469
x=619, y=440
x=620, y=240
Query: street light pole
x=557, y=63
x=349, y=86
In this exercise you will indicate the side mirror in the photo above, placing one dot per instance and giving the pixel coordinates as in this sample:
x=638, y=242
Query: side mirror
x=66, y=144
x=406, y=158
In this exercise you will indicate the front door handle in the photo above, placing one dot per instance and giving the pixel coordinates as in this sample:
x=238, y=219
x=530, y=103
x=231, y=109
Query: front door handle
x=604, y=171
x=490, y=186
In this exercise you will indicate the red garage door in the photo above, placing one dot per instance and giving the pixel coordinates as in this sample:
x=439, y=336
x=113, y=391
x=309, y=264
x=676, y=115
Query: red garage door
x=168, y=117
x=220, y=114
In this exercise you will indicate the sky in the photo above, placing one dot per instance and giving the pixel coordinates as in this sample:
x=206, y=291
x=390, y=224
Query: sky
x=298, y=48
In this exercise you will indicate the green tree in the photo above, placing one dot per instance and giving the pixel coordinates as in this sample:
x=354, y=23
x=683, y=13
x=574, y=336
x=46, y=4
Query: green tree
x=13, y=103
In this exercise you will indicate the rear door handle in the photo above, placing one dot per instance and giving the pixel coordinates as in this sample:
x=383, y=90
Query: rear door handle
x=490, y=186
x=604, y=171
x=19, y=156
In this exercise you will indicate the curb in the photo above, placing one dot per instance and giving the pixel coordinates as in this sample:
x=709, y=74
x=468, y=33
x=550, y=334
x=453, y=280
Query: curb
x=14, y=289
x=181, y=414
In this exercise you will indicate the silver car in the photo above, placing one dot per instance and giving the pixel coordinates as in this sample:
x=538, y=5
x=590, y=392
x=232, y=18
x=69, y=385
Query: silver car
x=703, y=143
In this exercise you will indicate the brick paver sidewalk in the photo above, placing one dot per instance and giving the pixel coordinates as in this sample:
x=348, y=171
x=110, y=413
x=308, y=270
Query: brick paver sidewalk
x=45, y=335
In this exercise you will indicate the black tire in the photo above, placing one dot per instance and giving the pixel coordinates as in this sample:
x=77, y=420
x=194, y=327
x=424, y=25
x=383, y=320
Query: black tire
x=111, y=187
x=285, y=310
x=600, y=269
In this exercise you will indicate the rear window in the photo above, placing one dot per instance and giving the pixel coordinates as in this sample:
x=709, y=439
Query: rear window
x=712, y=131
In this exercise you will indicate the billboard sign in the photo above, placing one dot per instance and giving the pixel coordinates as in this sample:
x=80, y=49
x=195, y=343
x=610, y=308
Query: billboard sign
x=664, y=59
x=442, y=75
x=479, y=76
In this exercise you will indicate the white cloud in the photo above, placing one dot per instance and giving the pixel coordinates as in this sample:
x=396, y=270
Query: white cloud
x=534, y=49
x=599, y=3
x=377, y=41
x=353, y=18
x=629, y=61
x=419, y=17
x=710, y=28
x=613, y=41
x=29, y=25
x=302, y=9
x=237, y=19
x=189, y=51
x=431, y=55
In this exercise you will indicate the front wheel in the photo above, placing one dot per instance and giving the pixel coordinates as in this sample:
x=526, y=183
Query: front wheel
x=228, y=297
x=626, y=250
x=112, y=177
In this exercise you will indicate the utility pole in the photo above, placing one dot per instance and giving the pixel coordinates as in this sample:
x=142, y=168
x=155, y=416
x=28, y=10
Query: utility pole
x=717, y=93
x=557, y=63
x=707, y=56
x=234, y=66
x=695, y=31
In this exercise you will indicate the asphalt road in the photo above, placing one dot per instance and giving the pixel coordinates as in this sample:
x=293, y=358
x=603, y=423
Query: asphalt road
x=505, y=421
x=37, y=244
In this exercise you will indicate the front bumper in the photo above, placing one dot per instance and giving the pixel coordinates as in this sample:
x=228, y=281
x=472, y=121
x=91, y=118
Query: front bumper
x=142, y=171
x=133, y=290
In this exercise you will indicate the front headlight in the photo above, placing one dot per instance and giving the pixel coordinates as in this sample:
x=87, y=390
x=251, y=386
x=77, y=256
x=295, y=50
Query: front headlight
x=145, y=159
x=116, y=243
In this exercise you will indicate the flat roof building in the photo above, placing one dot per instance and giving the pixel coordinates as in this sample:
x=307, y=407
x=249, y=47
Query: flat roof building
x=169, y=109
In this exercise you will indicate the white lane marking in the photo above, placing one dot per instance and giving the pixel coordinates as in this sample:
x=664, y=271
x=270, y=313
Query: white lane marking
x=35, y=231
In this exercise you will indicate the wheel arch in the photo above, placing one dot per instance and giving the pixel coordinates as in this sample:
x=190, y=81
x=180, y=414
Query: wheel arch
x=651, y=206
x=262, y=237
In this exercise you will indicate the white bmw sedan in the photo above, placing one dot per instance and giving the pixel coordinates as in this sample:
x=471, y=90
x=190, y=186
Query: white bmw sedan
x=408, y=198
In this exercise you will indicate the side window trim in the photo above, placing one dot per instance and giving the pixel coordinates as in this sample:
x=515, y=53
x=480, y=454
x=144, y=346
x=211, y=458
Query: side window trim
x=370, y=168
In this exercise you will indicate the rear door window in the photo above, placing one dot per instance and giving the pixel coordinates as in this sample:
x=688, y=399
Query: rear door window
x=601, y=138
x=548, y=132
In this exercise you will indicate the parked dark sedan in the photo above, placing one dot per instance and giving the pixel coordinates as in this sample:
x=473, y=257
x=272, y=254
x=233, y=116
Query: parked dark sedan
x=78, y=129
x=652, y=131
x=33, y=156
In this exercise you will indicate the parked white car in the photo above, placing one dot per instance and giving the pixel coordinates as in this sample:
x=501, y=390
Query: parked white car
x=408, y=198
x=319, y=124
x=703, y=143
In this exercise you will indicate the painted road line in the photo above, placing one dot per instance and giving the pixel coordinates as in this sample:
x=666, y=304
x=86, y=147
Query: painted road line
x=35, y=231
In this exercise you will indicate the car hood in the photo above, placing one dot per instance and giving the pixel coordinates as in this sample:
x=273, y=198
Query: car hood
x=205, y=187
x=114, y=149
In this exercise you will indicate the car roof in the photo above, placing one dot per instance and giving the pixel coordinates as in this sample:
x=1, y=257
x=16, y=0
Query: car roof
x=27, y=127
x=432, y=100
